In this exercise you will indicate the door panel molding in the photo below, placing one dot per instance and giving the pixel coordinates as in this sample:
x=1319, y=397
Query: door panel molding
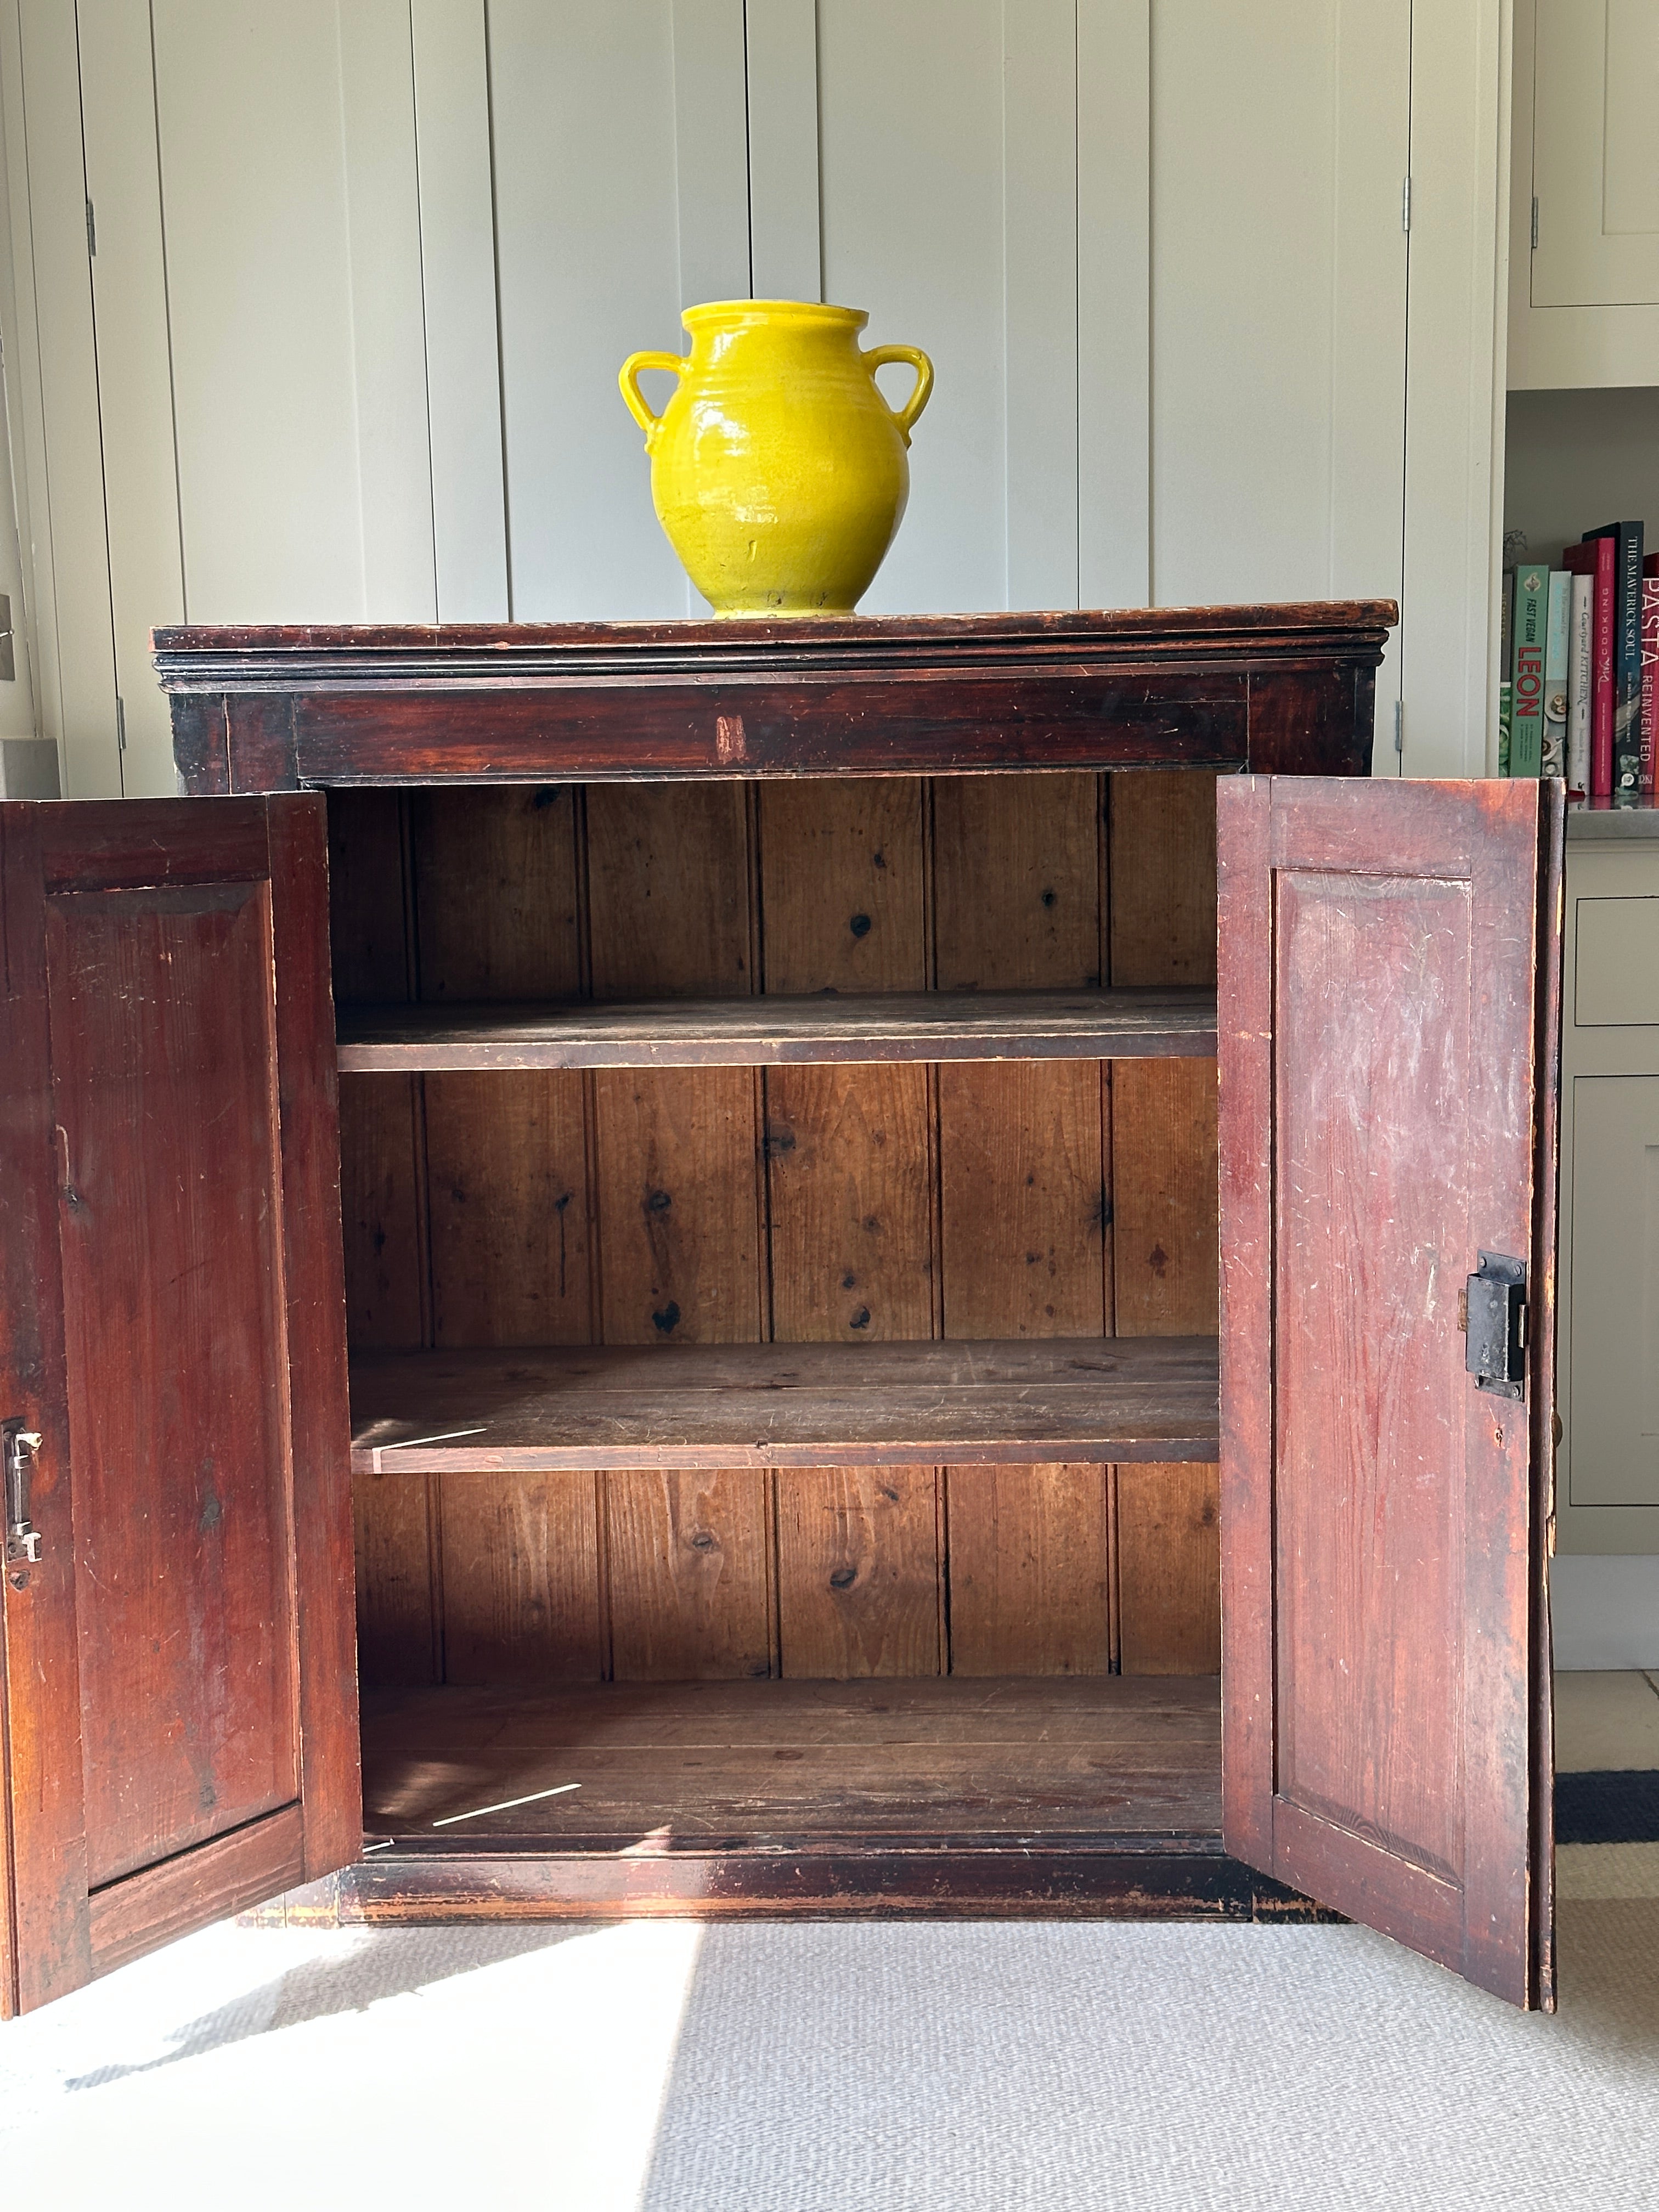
x=1388, y=1002
x=204, y=923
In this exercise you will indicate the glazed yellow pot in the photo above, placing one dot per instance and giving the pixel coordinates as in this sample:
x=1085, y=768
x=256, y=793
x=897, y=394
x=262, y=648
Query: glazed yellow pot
x=777, y=468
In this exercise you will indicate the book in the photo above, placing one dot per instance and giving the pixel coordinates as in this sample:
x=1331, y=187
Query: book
x=1649, y=676
x=1505, y=659
x=1596, y=559
x=1556, y=625
x=1532, y=592
x=1626, y=656
x=1580, y=632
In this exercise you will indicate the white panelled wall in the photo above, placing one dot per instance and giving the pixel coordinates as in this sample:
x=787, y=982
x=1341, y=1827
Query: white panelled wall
x=334, y=336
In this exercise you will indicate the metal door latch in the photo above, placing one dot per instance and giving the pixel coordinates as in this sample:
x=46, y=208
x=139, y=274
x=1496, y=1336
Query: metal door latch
x=1493, y=1311
x=19, y=1445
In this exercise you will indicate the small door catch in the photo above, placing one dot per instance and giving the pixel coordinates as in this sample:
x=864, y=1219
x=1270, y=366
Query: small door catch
x=1493, y=1308
x=18, y=1445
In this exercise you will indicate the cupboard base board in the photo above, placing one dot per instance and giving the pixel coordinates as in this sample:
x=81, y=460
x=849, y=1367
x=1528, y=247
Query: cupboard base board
x=1083, y=1879
x=1047, y=1796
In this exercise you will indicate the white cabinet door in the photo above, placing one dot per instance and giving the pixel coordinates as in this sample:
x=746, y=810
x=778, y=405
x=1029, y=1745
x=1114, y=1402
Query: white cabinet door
x=1608, y=1314
x=1613, y=1347
x=1595, y=154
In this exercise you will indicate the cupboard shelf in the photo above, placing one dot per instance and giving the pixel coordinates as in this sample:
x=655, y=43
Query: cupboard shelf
x=785, y=1405
x=761, y=1032
x=803, y=1764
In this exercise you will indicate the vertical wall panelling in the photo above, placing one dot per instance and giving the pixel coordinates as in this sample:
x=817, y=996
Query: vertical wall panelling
x=587, y=244
x=1280, y=150
x=1024, y=1210
x=57, y=373
x=383, y=218
x=910, y=108
x=20, y=721
x=1114, y=302
x=452, y=89
x=1030, y=1571
x=496, y=916
x=711, y=154
x=851, y=1180
x=984, y=182
x=453, y=126
x=849, y=1156
x=688, y=1552
x=782, y=43
x=383, y=1216
x=859, y=1571
x=1455, y=352
x=135, y=372
x=1040, y=317
x=259, y=301
x=677, y=1180
x=1371, y=252
x=1162, y=930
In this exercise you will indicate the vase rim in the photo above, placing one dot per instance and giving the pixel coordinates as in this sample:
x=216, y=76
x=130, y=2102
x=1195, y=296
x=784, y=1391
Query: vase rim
x=806, y=311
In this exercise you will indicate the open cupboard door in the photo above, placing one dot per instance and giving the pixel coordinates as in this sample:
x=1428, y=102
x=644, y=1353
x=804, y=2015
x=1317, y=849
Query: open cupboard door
x=180, y=1692
x=1388, y=986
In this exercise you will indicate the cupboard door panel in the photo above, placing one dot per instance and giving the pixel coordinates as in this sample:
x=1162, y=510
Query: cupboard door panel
x=1594, y=175
x=165, y=1125
x=182, y=1652
x=1384, y=976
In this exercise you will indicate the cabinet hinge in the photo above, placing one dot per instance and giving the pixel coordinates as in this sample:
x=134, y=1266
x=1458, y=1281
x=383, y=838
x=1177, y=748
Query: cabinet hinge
x=1406, y=204
x=1399, y=727
x=1493, y=1312
x=1534, y=222
x=120, y=724
x=92, y=230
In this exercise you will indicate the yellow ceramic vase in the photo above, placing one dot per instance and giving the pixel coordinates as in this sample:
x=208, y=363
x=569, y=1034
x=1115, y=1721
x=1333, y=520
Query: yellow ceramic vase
x=777, y=468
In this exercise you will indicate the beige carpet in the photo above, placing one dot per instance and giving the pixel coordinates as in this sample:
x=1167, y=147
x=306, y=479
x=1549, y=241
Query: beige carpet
x=821, y=2069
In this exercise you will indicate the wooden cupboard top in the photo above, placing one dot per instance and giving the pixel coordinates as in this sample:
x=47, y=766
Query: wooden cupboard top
x=497, y=655
x=1287, y=688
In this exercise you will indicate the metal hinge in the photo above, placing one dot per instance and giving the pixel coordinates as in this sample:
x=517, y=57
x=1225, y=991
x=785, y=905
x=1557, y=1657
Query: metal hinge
x=1534, y=222
x=1406, y=204
x=1493, y=1313
x=92, y=230
x=1399, y=727
x=120, y=724
x=18, y=1445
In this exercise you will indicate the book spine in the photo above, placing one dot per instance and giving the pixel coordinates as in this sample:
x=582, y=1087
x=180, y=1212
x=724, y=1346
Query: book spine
x=1532, y=587
x=1650, y=682
x=1625, y=540
x=1601, y=694
x=1580, y=633
x=1505, y=668
x=1555, y=626
x=1627, y=693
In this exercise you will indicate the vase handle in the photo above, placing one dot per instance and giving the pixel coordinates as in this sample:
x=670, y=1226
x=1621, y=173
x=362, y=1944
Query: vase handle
x=629, y=381
x=914, y=358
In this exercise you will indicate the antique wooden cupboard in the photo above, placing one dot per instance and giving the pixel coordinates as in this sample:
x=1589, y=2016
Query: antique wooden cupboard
x=775, y=1115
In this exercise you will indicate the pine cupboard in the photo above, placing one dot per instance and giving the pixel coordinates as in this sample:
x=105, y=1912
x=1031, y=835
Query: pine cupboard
x=733, y=1107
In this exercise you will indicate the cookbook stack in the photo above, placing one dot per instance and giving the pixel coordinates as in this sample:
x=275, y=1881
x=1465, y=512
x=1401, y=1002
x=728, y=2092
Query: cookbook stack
x=1580, y=697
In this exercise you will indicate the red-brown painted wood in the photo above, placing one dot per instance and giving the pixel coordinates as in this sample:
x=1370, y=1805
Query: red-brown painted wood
x=1381, y=1079
x=179, y=1663
x=1275, y=687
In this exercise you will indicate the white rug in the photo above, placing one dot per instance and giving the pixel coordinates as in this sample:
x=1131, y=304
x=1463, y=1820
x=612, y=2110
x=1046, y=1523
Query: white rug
x=823, y=2068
